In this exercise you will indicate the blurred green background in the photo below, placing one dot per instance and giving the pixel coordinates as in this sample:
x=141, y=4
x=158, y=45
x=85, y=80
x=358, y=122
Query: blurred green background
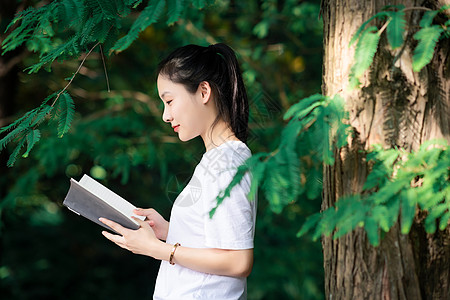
x=118, y=137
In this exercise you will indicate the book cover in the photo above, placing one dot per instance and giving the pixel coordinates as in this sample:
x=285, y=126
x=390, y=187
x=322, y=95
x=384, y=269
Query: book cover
x=93, y=200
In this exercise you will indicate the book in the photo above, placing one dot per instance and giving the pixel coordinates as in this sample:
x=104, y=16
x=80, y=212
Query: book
x=92, y=200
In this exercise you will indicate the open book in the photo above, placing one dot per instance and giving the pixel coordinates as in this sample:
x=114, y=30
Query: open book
x=93, y=200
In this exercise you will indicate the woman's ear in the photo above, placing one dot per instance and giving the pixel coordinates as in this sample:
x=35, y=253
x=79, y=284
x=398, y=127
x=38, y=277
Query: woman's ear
x=205, y=91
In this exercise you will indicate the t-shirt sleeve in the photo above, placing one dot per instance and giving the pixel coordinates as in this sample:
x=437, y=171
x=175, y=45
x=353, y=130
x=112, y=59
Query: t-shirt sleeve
x=232, y=225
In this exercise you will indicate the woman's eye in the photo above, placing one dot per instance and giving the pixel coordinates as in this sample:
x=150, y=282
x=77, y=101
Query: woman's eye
x=168, y=102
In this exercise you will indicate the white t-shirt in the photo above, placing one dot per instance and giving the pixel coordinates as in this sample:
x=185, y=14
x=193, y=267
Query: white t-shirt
x=232, y=226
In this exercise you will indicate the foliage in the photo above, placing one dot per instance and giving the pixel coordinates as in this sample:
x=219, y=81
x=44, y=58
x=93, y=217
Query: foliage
x=394, y=20
x=118, y=138
x=315, y=129
x=79, y=24
x=64, y=29
x=387, y=193
x=398, y=183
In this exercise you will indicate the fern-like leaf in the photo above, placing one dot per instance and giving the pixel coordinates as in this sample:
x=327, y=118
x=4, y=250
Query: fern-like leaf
x=356, y=36
x=310, y=223
x=199, y=3
x=396, y=28
x=13, y=157
x=13, y=125
x=427, y=18
x=304, y=107
x=32, y=138
x=65, y=113
x=147, y=17
x=240, y=173
x=424, y=51
x=174, y=9
x=364, y=53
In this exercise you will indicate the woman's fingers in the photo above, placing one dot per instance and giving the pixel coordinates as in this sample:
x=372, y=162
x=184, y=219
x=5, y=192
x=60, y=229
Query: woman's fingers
x=116, y=227
x=117, y=239
x=143, y=212
x=140, y=222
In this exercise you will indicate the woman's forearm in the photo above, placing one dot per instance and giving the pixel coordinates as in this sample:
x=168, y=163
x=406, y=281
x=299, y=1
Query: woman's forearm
x=236, y=263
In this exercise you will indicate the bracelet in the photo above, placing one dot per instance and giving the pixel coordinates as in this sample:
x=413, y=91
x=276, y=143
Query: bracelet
x=173, y=252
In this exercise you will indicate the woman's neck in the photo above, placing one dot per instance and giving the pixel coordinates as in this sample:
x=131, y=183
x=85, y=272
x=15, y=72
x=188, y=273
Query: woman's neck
x=217, y=135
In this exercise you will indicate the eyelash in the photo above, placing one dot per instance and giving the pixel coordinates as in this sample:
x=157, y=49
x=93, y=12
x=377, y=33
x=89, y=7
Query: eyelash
x=168, y=102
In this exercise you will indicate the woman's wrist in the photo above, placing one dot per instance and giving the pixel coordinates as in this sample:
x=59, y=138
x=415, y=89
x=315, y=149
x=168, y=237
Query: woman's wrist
x=162, y=251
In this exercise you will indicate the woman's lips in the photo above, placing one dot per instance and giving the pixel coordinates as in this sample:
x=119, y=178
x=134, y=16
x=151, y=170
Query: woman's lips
x=175, y=128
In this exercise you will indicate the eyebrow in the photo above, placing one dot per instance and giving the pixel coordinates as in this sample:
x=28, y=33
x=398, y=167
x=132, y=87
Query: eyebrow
x=164, y=94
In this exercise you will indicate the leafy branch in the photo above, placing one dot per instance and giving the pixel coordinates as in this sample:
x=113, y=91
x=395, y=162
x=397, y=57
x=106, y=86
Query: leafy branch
x=367, y=38
x=398, y=185
x=62, y=30
x=24, y=130
x=317, y=126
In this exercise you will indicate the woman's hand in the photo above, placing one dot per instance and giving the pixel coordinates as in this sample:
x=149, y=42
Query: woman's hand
x=141, y=241
x=159, y=225
x=236, y=263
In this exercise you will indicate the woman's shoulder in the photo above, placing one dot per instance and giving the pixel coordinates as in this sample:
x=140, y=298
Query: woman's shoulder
x=226, y=157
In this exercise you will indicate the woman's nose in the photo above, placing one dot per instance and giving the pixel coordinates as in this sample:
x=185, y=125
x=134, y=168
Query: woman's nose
x=167, y=117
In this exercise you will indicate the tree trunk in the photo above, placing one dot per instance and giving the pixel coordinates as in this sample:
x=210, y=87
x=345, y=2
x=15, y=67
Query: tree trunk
x=395, y=108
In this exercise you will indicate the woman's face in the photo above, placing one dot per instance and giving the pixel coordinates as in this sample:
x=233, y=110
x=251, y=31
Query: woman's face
x=186, y=112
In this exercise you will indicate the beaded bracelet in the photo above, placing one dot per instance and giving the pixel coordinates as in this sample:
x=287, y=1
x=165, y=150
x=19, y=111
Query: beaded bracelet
x=173, y=252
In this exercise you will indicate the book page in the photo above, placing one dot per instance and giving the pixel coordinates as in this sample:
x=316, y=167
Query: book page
x=109, y=197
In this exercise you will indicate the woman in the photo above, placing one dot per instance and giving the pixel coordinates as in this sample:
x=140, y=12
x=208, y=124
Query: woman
x=202, y=257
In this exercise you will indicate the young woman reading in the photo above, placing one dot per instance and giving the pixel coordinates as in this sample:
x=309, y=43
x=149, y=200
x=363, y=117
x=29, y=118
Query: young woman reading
x=202, y=257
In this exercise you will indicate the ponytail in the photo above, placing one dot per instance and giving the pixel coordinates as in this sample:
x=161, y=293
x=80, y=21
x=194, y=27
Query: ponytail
x=218, y=65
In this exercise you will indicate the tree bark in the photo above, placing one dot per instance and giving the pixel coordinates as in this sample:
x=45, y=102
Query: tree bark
x=395, y=108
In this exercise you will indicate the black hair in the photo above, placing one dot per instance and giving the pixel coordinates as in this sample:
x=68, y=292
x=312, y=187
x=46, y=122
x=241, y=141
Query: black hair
x=217, y=64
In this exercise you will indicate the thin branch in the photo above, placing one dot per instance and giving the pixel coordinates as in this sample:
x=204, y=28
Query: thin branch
x=104, y=67
x=417, y=8
x=384, y=27
x=71, y=79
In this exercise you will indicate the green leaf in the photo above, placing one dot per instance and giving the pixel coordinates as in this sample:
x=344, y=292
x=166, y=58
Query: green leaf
x=65, y=113
x=424, y=51
x=258, y=171
x=444, y=220
x=26, y=116
x=261, y=29
x=13, y=157
x=147, y=17
x=380, y=213
x=372, y=231
x=309, y=224
x=199, y=3
x=32, y=138
x=396, y=28
x=17, y=132
x=435, y=213
x=444, y=7
x=174, y=9
x=427, y=18
x=430, y=225
x=278, y=185
x=381, y=15
x=365, y=52
x=240, y=173
x=408, y=210
x=44, y=110
x=304, y=107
